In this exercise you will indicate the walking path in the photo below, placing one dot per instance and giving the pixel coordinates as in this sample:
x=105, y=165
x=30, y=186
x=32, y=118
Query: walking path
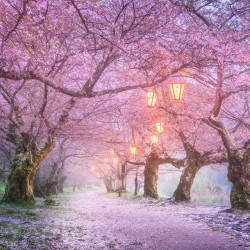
x=101, y=222
x=93, y=220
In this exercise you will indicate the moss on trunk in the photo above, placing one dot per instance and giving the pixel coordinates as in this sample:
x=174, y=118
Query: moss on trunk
x=151, y=176
x=239, y=175
x=19, y=185
x=23, y=168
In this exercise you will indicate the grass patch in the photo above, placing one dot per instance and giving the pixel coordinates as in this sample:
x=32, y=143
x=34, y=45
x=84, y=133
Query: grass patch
x=17, y=213
x=19, y=204
x=2, y=188
x=8, y=236
x=18, y=210
x=240, y=212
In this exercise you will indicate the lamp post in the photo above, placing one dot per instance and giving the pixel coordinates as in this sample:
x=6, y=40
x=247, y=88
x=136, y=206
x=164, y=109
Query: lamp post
x=151, y=98
x=177, y=90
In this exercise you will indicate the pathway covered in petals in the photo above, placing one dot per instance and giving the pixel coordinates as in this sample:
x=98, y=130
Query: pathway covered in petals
x=93, y=220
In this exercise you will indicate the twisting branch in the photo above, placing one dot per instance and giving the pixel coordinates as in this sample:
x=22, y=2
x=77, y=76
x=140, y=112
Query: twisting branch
x=87, y=91
x=21, y=15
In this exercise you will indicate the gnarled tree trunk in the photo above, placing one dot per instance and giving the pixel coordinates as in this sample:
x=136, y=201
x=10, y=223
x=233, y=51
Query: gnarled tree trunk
x=151, y=176
x=194, y=161
x=182, y=192
x=239, y=160
x=239, y=166
x=239, y=175
x=23, y=168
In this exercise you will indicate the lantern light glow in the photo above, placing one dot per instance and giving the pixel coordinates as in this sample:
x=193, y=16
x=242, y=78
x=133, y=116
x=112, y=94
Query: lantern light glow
x=115, y=160
x=132, y=149
x=159, y=127
x=106, y=160
x=151, y=99
x=154, y=138
x=177, y=90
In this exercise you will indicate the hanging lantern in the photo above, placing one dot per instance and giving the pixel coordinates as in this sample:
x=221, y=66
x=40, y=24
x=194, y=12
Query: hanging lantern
x=151, y=99
x=106, y=160
x=132, y=149
x=159, y=127
x=154, y=138
x=115, y=160
x=177, y=90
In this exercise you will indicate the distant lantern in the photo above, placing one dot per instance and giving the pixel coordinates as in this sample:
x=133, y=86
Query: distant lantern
x=177, y=90
x=151, y=99
x=132, y=149
x=154, y=138
x=115, y=160
x=106, y=160
x=159, y=127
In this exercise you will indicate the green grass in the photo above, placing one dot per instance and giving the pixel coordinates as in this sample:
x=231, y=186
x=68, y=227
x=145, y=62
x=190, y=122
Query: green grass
x=2, y=188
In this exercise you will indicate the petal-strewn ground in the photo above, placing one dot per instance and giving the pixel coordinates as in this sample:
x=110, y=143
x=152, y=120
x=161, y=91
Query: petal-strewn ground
x=93, y=220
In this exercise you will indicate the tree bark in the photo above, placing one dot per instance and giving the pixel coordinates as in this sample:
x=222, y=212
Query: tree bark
x=60, y=183
x=38, y=190
x=23, y=168
x=108, y=184
x=239, y=160
x=182, y=192
x=239, y=166
x=151, y=176
x=51, y=181
x=136, y=183
x=194, y=161
x=239, y=175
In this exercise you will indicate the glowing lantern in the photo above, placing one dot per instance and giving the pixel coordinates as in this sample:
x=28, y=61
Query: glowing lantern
x=151, y=99
x=159, y=127
x=177, y=90
x=106, y=160
x=154, y=138
x=115, y=160
x=132, y=149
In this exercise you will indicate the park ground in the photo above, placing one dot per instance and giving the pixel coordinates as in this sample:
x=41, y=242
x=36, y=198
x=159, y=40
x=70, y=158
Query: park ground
x=92, y=219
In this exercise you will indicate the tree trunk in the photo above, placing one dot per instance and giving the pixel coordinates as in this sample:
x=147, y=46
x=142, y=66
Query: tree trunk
x=38, y=190
x=194, y=161
x=60, y=183
x=51, y=181
x=74, y=185
x=19, y=185
x=108, y=184
x=151, y=176
x=239, y=175
x=23, y=168
x=182, y=192
x=123, y=182
x=136, y=183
